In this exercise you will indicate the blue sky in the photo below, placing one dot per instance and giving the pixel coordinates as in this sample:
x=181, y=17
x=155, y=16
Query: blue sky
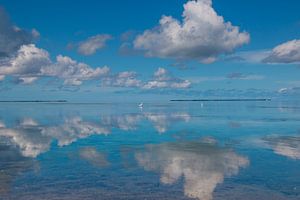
x=223, y=48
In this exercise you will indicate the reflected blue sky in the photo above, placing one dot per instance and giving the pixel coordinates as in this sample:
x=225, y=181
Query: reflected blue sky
x=164, y=151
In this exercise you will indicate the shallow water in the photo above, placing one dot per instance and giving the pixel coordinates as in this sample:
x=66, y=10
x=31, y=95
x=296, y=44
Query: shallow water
x=179, y=150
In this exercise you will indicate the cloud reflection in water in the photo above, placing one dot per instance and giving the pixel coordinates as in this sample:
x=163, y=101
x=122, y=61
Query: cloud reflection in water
x=94, y=157
x=203, y=165
x=12, y=163
x=33, y=139
x=288, y=146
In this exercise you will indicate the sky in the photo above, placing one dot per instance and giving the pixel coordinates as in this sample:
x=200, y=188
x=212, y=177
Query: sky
x=105, y=51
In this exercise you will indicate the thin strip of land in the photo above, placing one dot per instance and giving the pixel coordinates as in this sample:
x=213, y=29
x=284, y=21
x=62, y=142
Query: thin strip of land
x=220, y=100
x=34, y=101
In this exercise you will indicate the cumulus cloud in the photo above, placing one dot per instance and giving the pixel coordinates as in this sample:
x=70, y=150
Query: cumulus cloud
x=27, y=62
x=202, y=35
x=31, y=63
x=163, y=79
x=288, y=52
x=93, y=44
x=202, y=165
x=73, y=72
x=13, y=37
x=122, y=79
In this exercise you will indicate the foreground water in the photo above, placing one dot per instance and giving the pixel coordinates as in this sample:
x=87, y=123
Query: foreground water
x=215, y=150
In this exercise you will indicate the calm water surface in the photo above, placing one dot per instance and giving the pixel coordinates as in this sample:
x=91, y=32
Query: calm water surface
x=210, y=151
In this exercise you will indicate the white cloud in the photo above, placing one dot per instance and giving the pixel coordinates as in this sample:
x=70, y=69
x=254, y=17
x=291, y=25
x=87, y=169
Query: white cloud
x=202, y=35
x=288, y=52
x=73, y=72
x=163, y=79
x=122, y=79
x=203, y=165
x=31, y=62
x=28, y=61
x=92, y=44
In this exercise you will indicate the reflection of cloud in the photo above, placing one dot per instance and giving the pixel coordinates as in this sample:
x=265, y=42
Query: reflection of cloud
x=94, y=157
x=162, y=121
x=2, y=125
x=33, y=139
x=29, y=139
x=12, y=163
x=74, y=129
x=29, y=122
x=123, y=122
x=288, y=146
x=203, y=165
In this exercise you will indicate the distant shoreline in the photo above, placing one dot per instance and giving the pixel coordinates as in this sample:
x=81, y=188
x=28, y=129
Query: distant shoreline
x=220, y=100
x=35, y=101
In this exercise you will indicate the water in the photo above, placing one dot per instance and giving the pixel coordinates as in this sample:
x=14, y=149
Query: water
x=179, y=150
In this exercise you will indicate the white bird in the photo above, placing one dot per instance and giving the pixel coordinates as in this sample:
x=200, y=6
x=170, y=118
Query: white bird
x=141, y=105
